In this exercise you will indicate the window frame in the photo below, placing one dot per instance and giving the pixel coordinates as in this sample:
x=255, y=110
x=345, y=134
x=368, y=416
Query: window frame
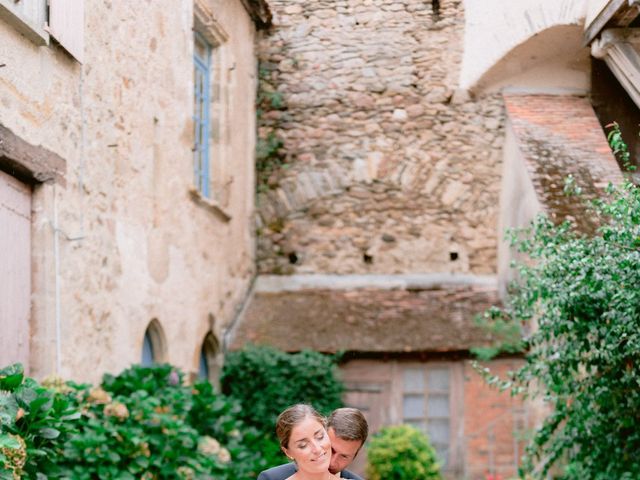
x=154, y=335
x=453, y=459
x=212, y=192
x=202, y=115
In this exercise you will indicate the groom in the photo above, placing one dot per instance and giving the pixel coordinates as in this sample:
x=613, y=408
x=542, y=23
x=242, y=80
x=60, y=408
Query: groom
x=348, y=430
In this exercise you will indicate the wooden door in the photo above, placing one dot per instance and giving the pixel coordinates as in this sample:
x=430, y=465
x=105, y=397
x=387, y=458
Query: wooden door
x=15, y=270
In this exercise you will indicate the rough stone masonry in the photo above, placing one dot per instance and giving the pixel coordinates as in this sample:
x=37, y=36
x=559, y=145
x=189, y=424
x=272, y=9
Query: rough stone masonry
x=390, y=167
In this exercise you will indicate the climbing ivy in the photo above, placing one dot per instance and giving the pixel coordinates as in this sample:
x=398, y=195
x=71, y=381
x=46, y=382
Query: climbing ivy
x=270, y=153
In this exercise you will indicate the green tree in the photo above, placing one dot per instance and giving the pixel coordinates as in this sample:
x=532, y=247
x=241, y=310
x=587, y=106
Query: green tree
x=265, y=381
x=583, y=354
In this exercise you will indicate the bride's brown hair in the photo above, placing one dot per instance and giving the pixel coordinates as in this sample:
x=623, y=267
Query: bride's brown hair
x=291, y=417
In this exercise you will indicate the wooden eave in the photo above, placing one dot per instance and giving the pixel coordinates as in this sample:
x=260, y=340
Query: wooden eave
x=260, y=13
x=616, y=14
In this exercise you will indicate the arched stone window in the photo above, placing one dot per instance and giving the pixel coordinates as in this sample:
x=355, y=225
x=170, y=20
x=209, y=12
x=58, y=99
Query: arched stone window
x=210, y=361
x=153, y=345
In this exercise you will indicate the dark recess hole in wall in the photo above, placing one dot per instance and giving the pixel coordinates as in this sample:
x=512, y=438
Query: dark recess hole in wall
x=435, y=8
x=366, y=258
x=293, y=258
x=453, y=256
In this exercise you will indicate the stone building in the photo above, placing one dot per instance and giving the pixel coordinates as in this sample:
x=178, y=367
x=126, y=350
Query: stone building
x=402, y=138
x=127, y=135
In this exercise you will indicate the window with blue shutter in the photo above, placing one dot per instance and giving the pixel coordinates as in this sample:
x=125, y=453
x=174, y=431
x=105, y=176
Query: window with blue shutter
x=201, y=114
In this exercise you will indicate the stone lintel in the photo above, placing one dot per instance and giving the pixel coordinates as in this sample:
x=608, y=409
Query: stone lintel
x=29, y=163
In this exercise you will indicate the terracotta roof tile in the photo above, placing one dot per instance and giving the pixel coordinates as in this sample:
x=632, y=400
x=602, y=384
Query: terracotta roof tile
x=560, y=135
x=366, y=320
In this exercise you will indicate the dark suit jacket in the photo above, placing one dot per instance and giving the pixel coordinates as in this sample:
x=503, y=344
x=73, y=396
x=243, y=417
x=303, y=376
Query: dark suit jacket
x=282, y=472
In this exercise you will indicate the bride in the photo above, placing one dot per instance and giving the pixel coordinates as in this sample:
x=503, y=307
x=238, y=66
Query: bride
x=303, y=438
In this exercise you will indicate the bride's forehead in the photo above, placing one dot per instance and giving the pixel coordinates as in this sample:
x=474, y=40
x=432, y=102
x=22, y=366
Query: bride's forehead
x=307, y=426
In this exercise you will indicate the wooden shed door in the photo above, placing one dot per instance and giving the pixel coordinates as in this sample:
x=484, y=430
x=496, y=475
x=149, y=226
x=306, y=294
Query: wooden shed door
x=15, y=270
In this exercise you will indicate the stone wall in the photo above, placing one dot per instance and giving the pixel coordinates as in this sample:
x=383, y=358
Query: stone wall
x=390, y=167
x=123, y=240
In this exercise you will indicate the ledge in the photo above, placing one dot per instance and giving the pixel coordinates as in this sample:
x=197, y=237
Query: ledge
x=210, y=205
x=36, y=33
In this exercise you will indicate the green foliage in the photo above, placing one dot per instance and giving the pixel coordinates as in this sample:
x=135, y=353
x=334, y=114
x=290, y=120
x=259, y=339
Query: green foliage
x=583, y=354
x=134, y=426
x=271, y=157
x=141, y=424
x=265, y=381
x=34, y=424
x=401, y=453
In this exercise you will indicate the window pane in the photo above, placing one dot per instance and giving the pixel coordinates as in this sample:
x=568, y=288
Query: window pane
x=438, y=430
x=147, y=351
x=442, y=452
x=438, y=406
x=414, y=380
x=203, y=368
x=419, y=424
x=413, y=406
x=438, y=379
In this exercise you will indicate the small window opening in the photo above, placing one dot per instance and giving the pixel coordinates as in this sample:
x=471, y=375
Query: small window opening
x=453, y=256
x=210, y=360
x=153, y=345
x=293, y=258
x=368, y=259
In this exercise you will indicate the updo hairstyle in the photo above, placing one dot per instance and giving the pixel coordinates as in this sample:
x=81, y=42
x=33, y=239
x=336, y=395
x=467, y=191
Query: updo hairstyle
x=291, y=417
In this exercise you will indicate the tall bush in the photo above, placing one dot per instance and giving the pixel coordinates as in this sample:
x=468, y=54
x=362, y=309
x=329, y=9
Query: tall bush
x=265, y=381
x=401, y=452
x=583, y=356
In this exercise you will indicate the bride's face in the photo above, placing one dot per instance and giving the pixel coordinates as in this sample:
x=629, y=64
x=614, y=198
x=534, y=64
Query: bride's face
x=309, y=446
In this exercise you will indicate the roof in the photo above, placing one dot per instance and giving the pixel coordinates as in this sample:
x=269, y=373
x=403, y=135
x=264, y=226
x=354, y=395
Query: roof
x=559, y=135
x=366, y=320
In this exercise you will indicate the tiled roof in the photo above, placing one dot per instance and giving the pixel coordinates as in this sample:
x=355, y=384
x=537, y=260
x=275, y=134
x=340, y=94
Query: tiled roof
x=560, y=135
x=366, y=320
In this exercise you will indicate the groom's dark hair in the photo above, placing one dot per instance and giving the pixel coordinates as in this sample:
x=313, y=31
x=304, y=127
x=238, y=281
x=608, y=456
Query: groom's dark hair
x=349, y=424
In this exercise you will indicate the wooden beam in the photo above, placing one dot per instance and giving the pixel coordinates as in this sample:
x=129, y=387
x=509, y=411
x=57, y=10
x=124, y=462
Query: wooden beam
x=29, y=163
x=605, y=15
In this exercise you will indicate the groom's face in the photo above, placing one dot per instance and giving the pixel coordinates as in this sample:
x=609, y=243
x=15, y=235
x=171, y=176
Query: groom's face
x=342, y=452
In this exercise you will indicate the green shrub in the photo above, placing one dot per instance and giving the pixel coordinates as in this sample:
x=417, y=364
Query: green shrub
x=401, y=453
x=265, y=381
x=35, y=422
x=135, y=425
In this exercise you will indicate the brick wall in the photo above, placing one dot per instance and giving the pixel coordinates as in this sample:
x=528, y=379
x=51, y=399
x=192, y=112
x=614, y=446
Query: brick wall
x=494, y=425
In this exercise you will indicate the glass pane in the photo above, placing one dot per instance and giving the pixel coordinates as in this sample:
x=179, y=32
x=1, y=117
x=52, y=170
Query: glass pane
x=414, y=380
x=147, y=351
x=419, y=424
x=438, y=406
x=438, y=379
x=442, y=451
x=413, y=406
x=203, y=368
x=438, y=430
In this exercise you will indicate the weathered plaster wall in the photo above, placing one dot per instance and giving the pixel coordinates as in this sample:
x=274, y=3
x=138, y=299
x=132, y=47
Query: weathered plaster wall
x=496, y=27
x=519, y=203
x=392, y=168
x=123, y=122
